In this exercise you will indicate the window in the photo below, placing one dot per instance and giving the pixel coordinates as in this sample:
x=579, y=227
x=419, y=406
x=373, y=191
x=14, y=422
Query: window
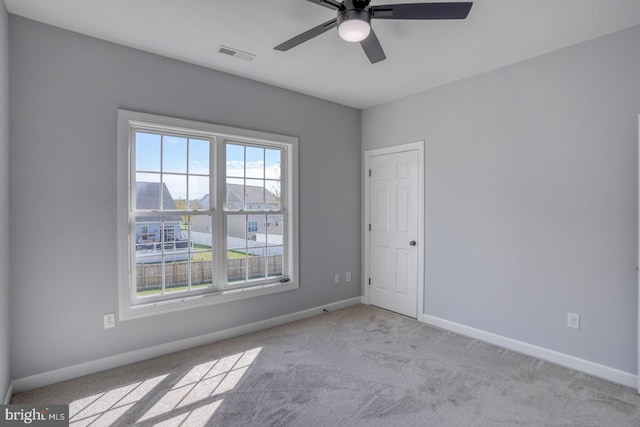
x=207, y=214
x=169, y=234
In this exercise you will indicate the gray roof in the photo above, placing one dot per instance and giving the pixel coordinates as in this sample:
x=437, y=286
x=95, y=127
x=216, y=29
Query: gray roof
x=148, y=197
x=251, y=192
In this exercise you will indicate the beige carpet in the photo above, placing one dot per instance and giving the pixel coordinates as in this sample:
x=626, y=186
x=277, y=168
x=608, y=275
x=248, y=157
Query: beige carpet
x=360, y=366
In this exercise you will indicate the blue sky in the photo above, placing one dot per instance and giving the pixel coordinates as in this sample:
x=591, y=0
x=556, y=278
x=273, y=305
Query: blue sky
x=182, y=158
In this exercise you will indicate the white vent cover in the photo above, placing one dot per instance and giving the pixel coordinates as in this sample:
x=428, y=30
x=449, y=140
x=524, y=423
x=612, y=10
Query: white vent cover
x=236, y=53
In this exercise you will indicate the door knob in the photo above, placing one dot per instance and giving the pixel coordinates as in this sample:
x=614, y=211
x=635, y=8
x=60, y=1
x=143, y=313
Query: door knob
x=412, y=243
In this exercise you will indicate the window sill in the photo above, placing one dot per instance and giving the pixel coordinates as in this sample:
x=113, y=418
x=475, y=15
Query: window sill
x=127, y=311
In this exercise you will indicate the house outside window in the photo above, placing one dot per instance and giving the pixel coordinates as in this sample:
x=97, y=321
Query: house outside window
x=194, y=203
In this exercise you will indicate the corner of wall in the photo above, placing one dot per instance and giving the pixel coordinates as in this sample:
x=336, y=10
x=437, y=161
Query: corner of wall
x=9, y=394
x=5, y=321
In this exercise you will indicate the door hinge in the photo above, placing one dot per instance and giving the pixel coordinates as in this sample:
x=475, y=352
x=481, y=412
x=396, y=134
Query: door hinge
x=369, y=281
x=369, y=172
x=369, y=227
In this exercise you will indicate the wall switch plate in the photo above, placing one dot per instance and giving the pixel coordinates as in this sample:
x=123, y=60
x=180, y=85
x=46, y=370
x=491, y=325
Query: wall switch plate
x=347, y=277
x=337, y=278
x=109, y=320
x=573, y=320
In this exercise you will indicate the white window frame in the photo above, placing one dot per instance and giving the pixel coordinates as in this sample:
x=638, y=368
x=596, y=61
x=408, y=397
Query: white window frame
x=128, y=123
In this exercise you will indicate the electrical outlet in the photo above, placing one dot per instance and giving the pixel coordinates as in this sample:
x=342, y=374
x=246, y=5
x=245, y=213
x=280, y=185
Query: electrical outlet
x=573, y=320
x=337, y=278
x=347, y=277
x=109, y=320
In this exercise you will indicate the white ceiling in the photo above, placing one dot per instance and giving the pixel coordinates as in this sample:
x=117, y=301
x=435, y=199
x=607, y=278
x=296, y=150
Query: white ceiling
x=420, y=54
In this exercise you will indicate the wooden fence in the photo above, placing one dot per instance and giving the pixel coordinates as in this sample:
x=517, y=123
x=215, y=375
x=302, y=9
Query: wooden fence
x=149, y=276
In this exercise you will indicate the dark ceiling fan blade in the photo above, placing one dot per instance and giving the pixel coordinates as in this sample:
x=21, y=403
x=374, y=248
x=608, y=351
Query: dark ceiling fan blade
x=458, y=10
x=372, y=48
x=307, y=35
x=331, y=4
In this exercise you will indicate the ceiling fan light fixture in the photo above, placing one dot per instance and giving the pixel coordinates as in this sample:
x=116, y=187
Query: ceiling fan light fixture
x=354, y=30
x=354, y=25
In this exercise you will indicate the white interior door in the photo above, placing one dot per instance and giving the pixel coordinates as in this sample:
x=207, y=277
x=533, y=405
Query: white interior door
x=394, y=235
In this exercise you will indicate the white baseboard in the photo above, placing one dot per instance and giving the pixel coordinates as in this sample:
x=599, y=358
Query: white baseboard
x=86, y=368
x=582, y=365
x=9, y=394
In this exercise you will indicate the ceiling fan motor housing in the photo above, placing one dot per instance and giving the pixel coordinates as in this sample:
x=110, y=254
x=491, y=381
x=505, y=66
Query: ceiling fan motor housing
x=354, y=9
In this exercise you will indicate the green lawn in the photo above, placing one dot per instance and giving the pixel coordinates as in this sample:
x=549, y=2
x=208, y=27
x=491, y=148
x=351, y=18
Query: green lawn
x=206, y=256
x=235, y=254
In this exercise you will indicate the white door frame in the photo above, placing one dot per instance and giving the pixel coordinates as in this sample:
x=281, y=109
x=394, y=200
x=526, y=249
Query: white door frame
x=419, y=146
x=638, y=265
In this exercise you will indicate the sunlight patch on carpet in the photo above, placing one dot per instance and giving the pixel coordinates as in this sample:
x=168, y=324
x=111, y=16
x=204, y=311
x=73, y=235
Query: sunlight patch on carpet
x=105, y=408
x=197, y=395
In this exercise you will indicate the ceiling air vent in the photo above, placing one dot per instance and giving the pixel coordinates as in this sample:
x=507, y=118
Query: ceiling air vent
x=236, y=53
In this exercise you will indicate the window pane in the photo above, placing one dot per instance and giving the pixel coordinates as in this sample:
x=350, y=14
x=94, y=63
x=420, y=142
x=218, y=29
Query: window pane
x=235, y=194
x=201, y=274
x=198, y=192
x=272, y=195
x=148, y=277
x=255, y=162
x=274, y=230
x=174, y=193
x=254, y=195
x=147, y=192
x=236, y=232
x=147, y=152
x=236, y=267
x=273, y=162
x=176, y=275
x=256, y=264
x=198, y=156
x=274, y=261
x=170, y=234
x=236, y=248
x=200, y=227
x=148, y=248
x=174, y=154
x=235, y=160
x=256, y=229
x=147, y=233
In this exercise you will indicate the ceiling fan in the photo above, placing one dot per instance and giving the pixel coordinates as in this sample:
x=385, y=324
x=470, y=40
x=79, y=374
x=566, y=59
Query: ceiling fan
x=354, y=21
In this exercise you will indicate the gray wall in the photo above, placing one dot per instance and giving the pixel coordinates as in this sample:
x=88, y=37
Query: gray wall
x=531, y=189
x=4, y=201
x=65, y=92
